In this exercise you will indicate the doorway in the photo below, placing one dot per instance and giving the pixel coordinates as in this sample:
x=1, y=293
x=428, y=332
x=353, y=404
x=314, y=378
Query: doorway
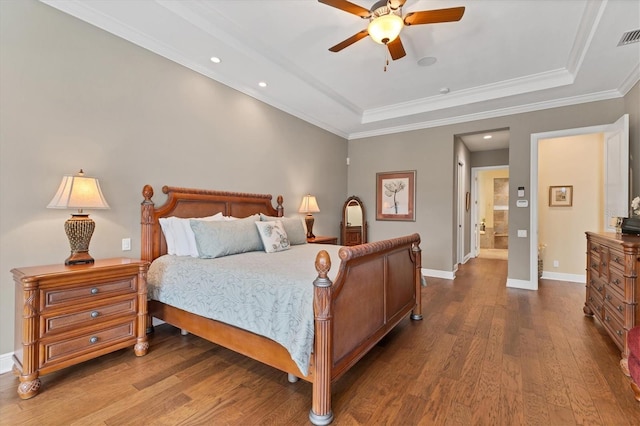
x=491, y=212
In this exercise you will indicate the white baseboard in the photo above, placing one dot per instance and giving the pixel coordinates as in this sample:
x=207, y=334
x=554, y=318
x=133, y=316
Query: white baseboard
x=522, y=284
x=447, y=275
x=564, y=277
x=6, y=362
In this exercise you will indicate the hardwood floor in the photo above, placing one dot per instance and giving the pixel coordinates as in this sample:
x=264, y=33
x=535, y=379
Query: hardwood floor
x=483, y=355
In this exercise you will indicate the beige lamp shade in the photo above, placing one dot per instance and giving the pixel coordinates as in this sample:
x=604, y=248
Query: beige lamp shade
x=79, y=192
x=386, y=28
x=309, y=205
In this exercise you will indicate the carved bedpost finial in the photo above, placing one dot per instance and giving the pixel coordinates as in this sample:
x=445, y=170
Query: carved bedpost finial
x=279, y=207
x=323, y=265
x=147, y=193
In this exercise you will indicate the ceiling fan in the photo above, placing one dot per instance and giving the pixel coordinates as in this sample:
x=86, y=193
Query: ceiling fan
x=386, y=22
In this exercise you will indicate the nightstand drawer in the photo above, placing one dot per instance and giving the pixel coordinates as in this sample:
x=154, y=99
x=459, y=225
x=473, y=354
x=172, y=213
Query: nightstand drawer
x=79, y=294
x=59, y=322
x=59, y=350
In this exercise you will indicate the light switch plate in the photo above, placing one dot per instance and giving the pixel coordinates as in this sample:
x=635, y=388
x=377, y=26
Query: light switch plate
x=522, y=233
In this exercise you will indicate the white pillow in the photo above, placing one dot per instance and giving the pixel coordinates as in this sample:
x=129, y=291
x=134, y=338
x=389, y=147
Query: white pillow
x=179, y=236
x=273, y=236
x=294, y=226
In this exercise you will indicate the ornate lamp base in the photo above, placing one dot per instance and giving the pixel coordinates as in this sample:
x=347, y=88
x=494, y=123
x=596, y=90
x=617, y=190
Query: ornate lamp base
x=308, y=220
x=79, y=230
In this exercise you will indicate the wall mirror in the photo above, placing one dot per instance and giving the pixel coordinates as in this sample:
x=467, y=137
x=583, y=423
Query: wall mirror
x=353, y=226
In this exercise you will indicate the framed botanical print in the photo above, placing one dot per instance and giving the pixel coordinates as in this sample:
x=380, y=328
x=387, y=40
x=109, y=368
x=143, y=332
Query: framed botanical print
x=395, y=195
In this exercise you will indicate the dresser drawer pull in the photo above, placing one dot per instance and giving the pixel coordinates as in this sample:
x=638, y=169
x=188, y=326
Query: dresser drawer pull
x=616, y=281
x=95, y=314
x=599, y=289
x=594, y=265
x=94, y=290
x=590, y=298
x=604, y=263
x=608, y=297
x=620, y=308
x=617, y=260
x=607, y=318
x=594, y=248
x=619, y=332
x=93, y=339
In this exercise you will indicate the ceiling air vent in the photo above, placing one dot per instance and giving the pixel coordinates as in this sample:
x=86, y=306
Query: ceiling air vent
x=629, y=37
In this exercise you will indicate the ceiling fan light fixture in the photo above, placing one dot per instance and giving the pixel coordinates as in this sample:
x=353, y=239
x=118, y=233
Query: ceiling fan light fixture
x=386, y=28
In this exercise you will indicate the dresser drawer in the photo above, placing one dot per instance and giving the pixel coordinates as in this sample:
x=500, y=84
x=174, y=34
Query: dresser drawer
x=57, y=322
x=81, y=293
x=595, y=301
x=614, y=306
x=59, y=350
x=617, y=282
x=616, y=261
x=614, y=326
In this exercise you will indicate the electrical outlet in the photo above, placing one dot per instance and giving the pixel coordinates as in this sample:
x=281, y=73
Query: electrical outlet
x=522, y=233
x=556, y=264
x=126, y=244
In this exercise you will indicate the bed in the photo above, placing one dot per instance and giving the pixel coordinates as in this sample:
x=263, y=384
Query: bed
x=345, y=324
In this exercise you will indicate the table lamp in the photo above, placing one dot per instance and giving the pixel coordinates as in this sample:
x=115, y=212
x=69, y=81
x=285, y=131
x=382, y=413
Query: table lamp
x=79, y=192
x=309, y=205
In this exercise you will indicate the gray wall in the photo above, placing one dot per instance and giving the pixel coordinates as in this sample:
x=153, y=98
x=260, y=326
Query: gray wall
x=496, y=157
x=74, y=96
x=431, y=153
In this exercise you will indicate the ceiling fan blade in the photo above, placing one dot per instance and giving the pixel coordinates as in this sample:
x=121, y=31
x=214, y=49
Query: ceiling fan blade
x=396, y=49
x=434, y=16
x=348, y=42
x=348, y=7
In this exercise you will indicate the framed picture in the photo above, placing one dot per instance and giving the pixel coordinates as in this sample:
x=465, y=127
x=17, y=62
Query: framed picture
x=561, y=196
x=395, y=195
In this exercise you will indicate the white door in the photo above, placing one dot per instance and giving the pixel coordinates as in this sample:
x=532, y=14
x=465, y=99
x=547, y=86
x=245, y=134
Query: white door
x=616, y=171
x=461, y=207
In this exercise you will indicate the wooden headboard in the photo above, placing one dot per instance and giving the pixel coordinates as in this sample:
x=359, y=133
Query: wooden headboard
x=189, y=202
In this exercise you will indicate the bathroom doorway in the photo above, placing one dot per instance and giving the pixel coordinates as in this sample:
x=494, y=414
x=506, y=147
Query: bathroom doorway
x=492, y=212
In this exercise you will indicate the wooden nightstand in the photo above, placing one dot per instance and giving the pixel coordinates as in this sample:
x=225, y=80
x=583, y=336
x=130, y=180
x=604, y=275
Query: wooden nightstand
x=323, y=240
x=69, y=314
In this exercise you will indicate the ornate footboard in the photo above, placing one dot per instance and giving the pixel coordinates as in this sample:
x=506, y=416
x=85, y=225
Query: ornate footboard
x=377, y=285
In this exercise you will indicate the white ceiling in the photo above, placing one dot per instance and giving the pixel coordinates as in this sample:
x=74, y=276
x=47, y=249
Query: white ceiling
x=502, y=57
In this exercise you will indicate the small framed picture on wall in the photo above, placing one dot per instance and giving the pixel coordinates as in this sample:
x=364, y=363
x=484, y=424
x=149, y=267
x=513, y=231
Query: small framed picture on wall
x=561, y=196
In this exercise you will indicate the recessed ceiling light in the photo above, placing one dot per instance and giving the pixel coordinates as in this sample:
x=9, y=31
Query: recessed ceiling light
x=262, y=84
x=487, y=137
x=426, y=61
x=215, y=59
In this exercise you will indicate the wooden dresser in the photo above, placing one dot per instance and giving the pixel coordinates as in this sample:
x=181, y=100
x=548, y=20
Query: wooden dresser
x=69, y=314
x=613, y=291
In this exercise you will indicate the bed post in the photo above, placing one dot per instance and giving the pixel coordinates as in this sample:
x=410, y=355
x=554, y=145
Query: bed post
x=321, y=413
x=146, y=237
x=279, y=207
x=416, y=314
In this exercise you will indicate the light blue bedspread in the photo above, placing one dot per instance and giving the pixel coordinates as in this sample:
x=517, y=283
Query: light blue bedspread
x=270, y=294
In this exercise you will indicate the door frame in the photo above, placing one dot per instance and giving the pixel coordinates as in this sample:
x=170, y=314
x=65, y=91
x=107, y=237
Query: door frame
x=533, y=202
x=475, y=235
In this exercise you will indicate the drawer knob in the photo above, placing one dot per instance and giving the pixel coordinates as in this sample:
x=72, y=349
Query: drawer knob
x=599, y=288
x=93, y=339
x=604, y=263
x=590, y=298
x=617, y=260
x=619, y=332
x=94, y=290
x=607, y=318
x=608, y=297
x=616, y=281
x=95, y=314
x=620, y=308
x=594, y=265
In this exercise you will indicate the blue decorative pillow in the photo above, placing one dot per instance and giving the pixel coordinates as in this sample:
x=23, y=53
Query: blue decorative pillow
x=217, y=239
x=274, y=238
x=294, y=226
